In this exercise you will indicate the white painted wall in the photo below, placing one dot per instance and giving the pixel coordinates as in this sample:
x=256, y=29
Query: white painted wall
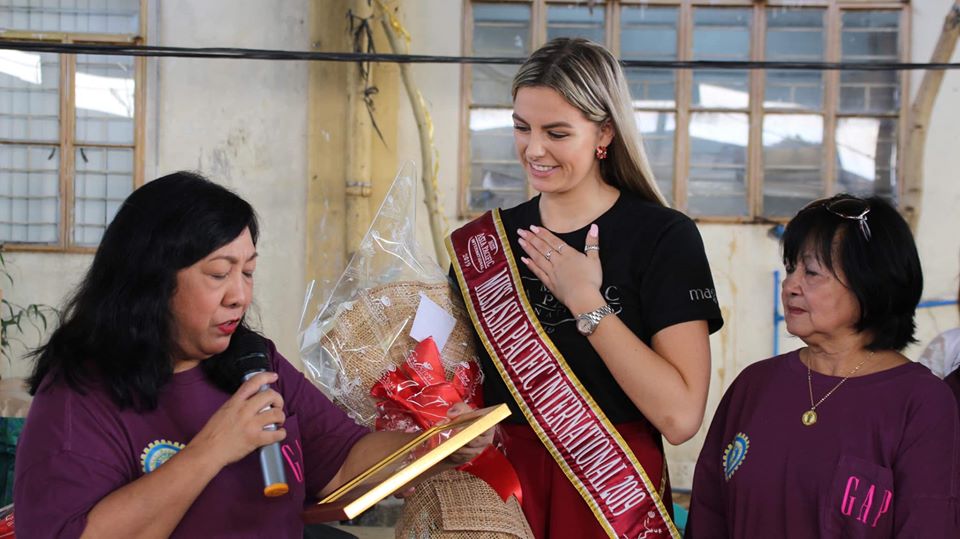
x=937, y=236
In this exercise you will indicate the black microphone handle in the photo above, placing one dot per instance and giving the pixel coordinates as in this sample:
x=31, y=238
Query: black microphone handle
x=271, y=463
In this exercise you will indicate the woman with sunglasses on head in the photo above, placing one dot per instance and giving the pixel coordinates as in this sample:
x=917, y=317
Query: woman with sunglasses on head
x=594, y=301
x=844, y=437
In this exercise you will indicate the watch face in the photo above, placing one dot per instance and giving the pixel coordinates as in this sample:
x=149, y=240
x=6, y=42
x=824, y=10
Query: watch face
x=585, y=326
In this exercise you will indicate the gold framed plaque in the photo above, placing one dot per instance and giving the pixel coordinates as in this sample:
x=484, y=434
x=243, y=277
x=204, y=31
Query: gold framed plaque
x=413, y=458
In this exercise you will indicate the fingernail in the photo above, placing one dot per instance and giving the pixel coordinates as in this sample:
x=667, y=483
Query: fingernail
x=525, y=260
x=521, y=241
x=521, y=232
x=594, y=231
x=535, y=228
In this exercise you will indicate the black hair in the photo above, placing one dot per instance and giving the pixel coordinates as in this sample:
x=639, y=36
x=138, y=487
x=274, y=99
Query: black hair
x=116, y=326
x=883, y=272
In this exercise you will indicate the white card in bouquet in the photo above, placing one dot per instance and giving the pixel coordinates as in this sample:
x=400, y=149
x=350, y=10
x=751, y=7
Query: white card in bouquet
x=432, y=320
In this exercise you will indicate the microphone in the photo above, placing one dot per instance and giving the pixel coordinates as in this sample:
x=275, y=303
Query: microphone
x=246, y=357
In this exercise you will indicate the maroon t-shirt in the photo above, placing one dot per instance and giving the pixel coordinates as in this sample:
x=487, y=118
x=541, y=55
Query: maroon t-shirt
x=883, y=459
x=953, y=382
x=75, y=449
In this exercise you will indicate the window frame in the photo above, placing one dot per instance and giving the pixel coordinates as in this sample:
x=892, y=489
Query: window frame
x=67, y=143
x=683, y=108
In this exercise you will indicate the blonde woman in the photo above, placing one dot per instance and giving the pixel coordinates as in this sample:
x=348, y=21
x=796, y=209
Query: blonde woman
x=594, y=302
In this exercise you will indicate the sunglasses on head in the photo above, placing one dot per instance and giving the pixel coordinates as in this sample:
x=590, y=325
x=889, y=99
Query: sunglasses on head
x=854, y=209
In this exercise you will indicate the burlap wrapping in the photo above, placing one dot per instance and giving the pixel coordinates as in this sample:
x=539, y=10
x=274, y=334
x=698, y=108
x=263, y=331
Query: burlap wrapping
x=457, y=505
x=369, y=336
x=372, y=334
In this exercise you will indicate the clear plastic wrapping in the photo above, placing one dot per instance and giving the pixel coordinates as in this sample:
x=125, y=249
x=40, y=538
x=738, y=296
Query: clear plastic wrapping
x=356, y=346
x=361, y=331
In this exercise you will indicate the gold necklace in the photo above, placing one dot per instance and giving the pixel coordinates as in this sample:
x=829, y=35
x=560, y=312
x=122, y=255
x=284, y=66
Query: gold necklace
x=809, y=418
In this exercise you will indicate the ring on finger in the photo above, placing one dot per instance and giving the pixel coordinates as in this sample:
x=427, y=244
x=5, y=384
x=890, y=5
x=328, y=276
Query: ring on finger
x=560, y=247
x=548, y=254
x=591, y=248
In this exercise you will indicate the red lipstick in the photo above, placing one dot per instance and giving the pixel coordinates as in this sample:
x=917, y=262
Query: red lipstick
x=227, y=328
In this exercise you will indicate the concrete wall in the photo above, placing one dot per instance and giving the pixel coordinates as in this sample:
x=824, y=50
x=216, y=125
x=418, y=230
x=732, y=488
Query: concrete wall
x=243, y=123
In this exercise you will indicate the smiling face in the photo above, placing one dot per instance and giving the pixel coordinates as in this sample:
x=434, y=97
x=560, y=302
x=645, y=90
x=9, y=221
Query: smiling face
x=818, y=306
x=210, y=299
x=556, y=144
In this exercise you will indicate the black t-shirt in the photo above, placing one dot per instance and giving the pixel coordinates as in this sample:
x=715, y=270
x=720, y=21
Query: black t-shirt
x=655, y=275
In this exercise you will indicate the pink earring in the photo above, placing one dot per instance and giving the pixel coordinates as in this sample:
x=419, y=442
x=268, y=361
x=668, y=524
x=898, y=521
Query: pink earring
x=601, y=152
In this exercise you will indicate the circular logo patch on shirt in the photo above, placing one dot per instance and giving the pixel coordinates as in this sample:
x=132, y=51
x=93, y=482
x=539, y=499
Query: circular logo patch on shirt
x=734, y=454
x=157, y=452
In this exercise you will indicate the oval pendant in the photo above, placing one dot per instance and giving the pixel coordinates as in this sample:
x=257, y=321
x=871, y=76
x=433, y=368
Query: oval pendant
x=809, y=417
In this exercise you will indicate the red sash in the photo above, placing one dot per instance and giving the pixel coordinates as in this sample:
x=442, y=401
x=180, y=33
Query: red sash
x=578, y=435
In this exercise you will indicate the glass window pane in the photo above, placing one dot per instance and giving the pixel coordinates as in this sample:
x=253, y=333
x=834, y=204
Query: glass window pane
x=105, y=99
x=29, y=194
x=651, y=88
x=496, y=177
x=794, y=35
x=869, y=91
x=501, y=29
x=721, y=34
x=867, y=156
x=491, y=84
x=566, y=20
x=721, y=89
x=29, y=96
x=794, y=44
x=498, y=30
x=794, y=89
x=649, y=33
x=718, y=164
x=84, y=16
x=792, y=162
x=104, y=179
x=657, y=130
x=870, y=36
x=870, y=43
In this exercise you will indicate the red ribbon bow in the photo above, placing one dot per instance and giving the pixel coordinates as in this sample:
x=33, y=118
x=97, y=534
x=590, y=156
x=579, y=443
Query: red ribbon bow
x=417, y=395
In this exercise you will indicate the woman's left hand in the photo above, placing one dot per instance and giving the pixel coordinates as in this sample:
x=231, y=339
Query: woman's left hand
x=573, y=277
x=476, y=446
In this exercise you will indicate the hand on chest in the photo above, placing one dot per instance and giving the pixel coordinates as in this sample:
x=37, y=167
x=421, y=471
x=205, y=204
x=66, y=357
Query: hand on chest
x=553, y=314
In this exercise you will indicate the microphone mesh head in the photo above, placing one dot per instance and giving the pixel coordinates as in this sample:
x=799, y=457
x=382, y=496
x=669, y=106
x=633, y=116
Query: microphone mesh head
x=246, y=353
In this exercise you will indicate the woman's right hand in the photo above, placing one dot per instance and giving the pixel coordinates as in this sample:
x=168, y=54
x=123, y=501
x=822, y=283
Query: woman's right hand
x=573, y=277
x=238, y=427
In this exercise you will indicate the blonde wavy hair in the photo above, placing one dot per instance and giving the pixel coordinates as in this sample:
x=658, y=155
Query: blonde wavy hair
x=591, y=79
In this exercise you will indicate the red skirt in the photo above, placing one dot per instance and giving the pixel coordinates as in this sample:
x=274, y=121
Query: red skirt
x=552, y=505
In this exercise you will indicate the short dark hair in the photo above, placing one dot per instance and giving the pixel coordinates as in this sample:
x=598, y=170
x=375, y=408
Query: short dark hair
x=116, y=326
x=883, y=272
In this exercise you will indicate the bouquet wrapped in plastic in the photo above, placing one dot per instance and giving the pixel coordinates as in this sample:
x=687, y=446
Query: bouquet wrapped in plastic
x=392, y=345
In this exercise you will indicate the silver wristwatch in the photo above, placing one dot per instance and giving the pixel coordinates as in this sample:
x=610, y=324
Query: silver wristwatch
x=587, y=322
